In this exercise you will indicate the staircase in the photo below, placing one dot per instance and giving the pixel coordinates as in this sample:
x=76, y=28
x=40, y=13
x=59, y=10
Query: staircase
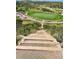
x=39, y=44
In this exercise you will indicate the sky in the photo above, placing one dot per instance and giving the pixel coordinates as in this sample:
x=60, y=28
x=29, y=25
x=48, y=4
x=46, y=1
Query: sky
x=46, y=0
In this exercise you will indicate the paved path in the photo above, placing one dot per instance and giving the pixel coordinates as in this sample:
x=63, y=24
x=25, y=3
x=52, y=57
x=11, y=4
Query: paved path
x=37, y=46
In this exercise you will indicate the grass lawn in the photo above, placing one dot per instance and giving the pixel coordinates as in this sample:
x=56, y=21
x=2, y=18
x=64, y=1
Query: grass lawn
x=26, y=22
x=47, y=16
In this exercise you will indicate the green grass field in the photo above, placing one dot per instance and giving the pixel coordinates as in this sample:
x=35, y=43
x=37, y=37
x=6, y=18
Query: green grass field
x=47, y=16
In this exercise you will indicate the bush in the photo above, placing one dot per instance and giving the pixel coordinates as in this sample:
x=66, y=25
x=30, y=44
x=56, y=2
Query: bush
x=58, y=36
x=56, y=30
x=46, y=9
x=18, y=22
x=18, y=38
x=27, y=28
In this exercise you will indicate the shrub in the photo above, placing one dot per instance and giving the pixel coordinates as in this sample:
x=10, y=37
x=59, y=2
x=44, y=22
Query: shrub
x=18, y=38
x=58, y=36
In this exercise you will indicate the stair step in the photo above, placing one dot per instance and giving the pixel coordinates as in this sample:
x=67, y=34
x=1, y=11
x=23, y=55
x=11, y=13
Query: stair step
x=38, y=37
x=38, y=48
x=47, y=42
x=37, y=40
x=37, y=44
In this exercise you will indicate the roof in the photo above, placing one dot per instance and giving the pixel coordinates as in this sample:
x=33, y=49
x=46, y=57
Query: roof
x=21, y=15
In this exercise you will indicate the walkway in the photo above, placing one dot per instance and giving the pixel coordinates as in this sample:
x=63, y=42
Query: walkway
x=39, y=44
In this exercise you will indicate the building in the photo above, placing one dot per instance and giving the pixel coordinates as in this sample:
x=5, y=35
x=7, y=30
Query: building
x=21, y=15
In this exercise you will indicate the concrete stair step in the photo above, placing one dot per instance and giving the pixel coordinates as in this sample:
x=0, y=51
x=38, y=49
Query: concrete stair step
x=47, y=42
x=37, y=44
x=39, y=37
x=38, y=40
x=38, y=48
